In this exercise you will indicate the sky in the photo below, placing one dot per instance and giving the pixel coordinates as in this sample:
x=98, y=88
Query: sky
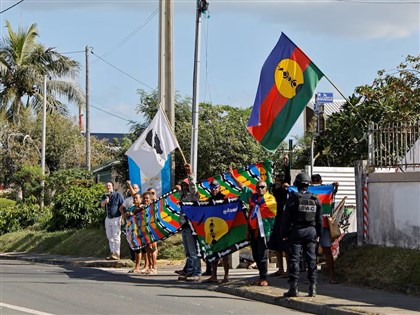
x=348, y=40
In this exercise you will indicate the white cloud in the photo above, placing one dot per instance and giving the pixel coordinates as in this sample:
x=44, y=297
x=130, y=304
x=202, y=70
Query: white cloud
x=357, y=19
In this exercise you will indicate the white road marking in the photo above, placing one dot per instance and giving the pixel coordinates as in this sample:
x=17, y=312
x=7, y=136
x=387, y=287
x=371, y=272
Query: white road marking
x=23, y=309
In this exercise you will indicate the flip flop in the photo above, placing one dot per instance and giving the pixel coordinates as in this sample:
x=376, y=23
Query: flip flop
x=210, y=280
x=225, y=280
x=263, y=283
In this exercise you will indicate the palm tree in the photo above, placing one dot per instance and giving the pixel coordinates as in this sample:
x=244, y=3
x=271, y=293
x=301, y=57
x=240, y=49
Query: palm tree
x=23, y=64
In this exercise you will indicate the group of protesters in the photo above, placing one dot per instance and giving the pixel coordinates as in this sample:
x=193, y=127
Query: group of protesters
x=297, y=228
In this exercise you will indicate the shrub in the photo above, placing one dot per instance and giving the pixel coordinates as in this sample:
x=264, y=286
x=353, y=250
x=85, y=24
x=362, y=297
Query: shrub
x=9, y=216
x=77, y=207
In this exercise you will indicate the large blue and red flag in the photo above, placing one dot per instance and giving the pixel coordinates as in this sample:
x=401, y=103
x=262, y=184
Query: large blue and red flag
x=219, y=226
x=287, y=82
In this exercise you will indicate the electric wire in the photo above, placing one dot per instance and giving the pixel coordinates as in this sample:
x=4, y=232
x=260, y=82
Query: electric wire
x=114, y=115
x=129, y=36
x=1, y=12
x=123, y=72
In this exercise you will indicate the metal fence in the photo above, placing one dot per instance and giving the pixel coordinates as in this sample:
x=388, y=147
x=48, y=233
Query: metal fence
x=395, y=145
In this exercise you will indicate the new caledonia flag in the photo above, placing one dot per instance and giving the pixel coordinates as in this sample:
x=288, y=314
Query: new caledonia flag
x=287, y=82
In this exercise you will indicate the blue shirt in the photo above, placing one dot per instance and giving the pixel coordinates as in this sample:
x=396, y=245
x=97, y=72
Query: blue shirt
x=112, y=207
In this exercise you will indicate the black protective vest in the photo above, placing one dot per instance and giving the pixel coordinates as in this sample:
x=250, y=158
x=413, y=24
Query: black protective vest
x=306, y=208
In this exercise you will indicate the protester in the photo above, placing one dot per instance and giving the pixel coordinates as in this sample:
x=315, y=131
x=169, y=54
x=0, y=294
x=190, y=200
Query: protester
x=261, y=204
x=302, y=225
x=325, y=239
x=150, y=251
x=127, y=204
x=192, y=269
x=112, y=201
x=152, y=192
x=129, y=212
x=276, y=242
x=217, y=195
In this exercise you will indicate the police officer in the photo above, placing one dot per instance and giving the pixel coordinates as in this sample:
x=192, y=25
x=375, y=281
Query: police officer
x=302, y=225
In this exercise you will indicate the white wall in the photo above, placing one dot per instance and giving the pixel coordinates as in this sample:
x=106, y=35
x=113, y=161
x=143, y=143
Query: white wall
x=394, y=209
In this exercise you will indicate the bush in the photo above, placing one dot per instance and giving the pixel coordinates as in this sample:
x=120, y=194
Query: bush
x=77, y=207
x=9, y=219
x=15, y=216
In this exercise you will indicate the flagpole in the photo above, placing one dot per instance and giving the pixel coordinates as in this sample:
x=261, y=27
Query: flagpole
x=335, y=87
x=347, y=100
x=173, y=133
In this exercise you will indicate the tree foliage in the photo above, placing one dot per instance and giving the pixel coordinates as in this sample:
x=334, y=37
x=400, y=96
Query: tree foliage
x=392, y=97
x=23, y=65
x=76, y=199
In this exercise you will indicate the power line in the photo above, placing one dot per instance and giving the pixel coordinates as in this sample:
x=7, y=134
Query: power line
x=73, y=52
x=129, y=36
x=114, y=115
x=11, y=6
x=123, y=72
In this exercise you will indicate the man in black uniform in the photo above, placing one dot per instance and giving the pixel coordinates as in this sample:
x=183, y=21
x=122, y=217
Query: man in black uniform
x=302, y=225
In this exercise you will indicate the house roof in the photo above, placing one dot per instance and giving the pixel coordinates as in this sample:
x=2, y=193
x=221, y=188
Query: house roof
x=329, y=108
x=108, y=136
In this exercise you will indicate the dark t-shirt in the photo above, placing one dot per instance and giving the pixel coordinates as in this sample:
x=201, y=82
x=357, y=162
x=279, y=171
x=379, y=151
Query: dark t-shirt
x=115, y=201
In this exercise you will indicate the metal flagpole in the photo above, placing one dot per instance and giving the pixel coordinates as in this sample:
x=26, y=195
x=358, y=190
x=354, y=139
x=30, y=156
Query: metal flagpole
x=196, y=78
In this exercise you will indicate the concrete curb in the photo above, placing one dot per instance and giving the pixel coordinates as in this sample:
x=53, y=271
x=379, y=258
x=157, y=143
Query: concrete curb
x=67, y=260
x=303, y=304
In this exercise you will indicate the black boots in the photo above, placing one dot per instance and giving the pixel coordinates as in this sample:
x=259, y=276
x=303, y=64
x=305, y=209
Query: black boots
x=293, y=291
x=312, y=290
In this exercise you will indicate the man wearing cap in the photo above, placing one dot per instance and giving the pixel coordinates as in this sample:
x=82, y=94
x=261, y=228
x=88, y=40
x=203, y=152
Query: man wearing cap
x=189, y=192
x=217, y=195
x=262, y=204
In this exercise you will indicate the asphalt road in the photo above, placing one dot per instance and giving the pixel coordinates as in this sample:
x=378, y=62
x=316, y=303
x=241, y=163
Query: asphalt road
x=32, y=288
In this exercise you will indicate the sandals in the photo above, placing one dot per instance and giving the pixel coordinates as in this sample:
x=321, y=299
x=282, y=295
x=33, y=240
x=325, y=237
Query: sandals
x=151, y=272
x=260, y=283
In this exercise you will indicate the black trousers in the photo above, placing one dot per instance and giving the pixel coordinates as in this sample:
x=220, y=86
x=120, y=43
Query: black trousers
x=304, y=238
x=260, y=254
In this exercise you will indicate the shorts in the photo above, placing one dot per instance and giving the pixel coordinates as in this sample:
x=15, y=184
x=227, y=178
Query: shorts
x=325, y=239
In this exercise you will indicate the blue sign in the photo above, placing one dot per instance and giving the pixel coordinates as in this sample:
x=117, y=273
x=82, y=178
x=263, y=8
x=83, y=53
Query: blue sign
x=324, y=97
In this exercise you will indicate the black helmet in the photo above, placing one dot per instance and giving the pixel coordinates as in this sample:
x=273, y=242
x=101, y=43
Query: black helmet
x=302, y=178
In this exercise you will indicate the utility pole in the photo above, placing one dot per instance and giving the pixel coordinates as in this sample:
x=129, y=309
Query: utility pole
x=202, y=6
x=166, y=77
x=87, y=111
x=43, y=139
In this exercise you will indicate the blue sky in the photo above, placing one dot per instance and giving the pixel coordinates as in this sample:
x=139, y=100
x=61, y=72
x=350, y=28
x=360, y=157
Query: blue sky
x=348, y=40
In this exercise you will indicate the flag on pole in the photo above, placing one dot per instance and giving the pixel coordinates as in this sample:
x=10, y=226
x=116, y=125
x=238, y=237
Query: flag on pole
x=150, y=151
x=287, y=82
x=160, y=182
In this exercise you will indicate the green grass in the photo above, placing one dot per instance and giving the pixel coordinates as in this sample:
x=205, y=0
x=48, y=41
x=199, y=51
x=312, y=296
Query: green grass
x=84, y=243
x=388, y=268
x=378, y=267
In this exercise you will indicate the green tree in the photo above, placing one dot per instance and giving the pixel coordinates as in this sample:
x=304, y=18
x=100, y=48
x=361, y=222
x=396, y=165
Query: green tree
x=392, y=97
x=23, y=64
x=66, y=146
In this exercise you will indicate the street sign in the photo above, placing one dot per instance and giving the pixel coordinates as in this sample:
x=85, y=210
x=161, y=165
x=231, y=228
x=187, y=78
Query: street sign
x=324, y=97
